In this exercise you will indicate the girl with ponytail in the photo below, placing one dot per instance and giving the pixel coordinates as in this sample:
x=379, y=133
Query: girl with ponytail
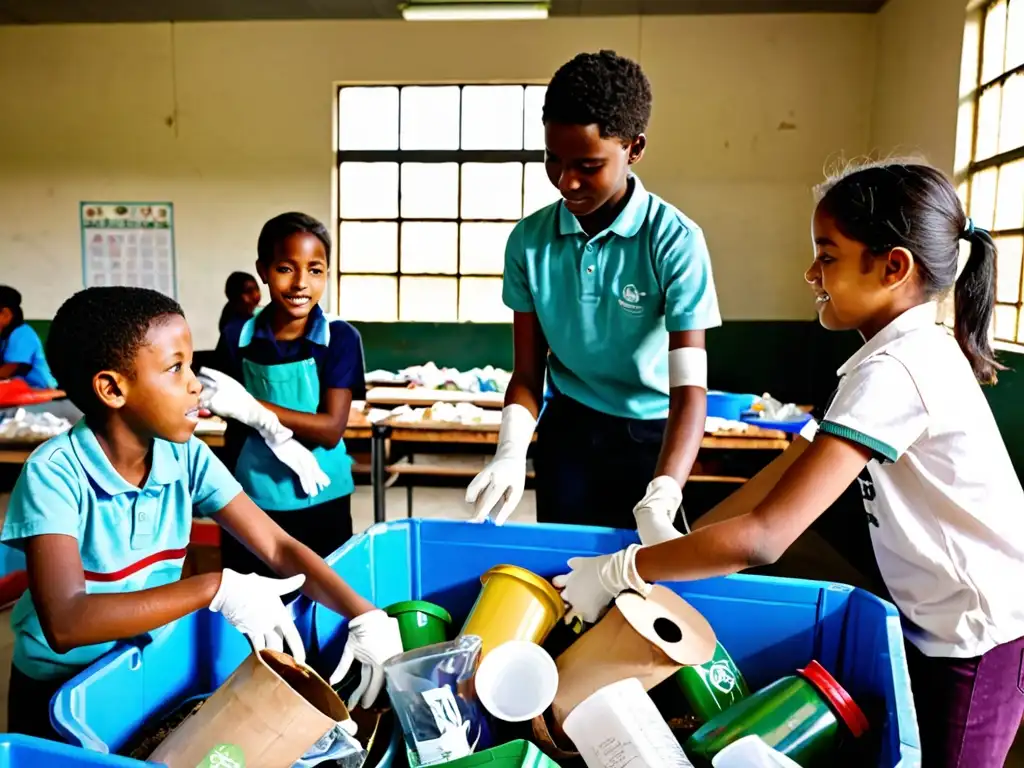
x=908, y=421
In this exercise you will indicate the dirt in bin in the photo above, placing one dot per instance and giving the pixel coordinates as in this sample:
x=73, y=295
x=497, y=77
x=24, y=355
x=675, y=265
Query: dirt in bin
x=152, y=735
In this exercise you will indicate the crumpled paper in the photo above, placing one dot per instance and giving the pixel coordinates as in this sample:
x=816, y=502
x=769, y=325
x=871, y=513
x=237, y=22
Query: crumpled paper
x=451, y=413
x=33, y=426
x=486, y=379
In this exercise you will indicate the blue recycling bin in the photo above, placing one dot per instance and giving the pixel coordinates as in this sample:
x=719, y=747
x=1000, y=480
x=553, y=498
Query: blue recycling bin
x=770, y=626
x=17, y=751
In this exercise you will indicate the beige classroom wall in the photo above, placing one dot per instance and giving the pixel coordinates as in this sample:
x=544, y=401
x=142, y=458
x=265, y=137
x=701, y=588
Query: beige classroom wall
x=919, y=44
x=232, y=123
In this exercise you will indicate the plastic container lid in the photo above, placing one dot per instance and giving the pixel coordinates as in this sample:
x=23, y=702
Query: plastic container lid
x=841, y=701
x=419, y=606
x=533, y=580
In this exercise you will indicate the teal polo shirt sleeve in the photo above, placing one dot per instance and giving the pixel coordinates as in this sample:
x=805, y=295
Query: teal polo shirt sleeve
x=46, y=500
x=211, y=485
x=683, y=265
x=515, y=290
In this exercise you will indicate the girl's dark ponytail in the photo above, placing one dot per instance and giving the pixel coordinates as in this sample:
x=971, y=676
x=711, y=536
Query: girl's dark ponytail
x=973, y=300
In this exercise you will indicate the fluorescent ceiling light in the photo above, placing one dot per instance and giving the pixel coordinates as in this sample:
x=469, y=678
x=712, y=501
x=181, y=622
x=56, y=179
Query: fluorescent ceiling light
x=494, y=11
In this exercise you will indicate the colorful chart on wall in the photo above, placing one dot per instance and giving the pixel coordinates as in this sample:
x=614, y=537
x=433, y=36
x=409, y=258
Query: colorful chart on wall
x=129, y=244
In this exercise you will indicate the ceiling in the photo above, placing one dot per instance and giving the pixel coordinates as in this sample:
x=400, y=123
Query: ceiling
x=86, y=11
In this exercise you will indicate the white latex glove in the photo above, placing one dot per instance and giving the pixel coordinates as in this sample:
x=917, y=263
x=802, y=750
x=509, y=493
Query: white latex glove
x=252, y=605
x=300, y=460
x=502, y=481
x=594, y=582
x=228, y=398
x=657, y=511
x=373, y=638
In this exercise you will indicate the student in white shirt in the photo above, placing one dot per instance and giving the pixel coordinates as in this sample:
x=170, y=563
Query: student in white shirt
x=944, y=507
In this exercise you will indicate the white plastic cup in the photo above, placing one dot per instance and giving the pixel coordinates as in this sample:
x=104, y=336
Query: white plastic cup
x=620, y=725
x=517, y=681
x=751, y=752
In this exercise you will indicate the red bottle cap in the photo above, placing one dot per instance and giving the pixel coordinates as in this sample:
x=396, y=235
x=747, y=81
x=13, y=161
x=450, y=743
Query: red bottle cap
x=836, y=695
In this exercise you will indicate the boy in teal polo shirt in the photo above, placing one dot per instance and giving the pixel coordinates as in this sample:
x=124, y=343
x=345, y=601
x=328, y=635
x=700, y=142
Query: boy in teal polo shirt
x=103, y=513
x=612, y=292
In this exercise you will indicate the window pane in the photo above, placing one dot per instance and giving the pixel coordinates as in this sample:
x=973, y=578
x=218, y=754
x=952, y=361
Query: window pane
x=428, y=299
x=430, y=117
x=995, y=39
x=492, y=190
x=1005, y=322
x=1010, y=196
x=430, y=190
x=1015, y=36
x=429, y=247
x=368, y=118
x=969, y=55
x=483, y=248
x=368, y=247
x=492, y=117
x=532, y=115
x=368, y=190
x=988, y=123
x=983, y=197
x=1011, y=121
x=961, y=192
x=539, y=191
x=964, y=135
x=1008, y=269
x=480, y=301
x=368, y=298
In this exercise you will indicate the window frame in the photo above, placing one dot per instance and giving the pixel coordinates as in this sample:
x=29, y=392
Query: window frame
x=969, y=168
x=458, y=157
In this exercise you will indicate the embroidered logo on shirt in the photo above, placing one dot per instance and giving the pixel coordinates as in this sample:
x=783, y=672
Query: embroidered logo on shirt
x=630, y=300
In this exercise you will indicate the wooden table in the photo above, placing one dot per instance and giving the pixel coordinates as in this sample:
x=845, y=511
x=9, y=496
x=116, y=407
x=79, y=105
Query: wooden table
x=18, y=451
x=394, y=430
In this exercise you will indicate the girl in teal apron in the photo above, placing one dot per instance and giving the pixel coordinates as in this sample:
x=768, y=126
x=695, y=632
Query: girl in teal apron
x=306, y=368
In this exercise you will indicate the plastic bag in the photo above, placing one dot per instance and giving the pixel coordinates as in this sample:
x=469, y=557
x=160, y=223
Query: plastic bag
x=432, y=695
x=338, y=746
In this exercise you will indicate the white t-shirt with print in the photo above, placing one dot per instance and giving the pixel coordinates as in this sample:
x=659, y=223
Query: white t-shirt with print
x=945, y=507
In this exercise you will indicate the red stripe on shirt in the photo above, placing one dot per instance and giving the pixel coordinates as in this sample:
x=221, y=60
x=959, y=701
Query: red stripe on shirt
x=156, y=557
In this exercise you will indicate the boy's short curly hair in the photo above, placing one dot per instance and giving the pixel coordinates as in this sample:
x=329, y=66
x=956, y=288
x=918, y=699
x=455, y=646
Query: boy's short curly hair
x=101, y=329
x=600, y=88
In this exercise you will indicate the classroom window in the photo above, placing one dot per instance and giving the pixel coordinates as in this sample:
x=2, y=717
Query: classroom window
x=990, y=148
x=431, y=180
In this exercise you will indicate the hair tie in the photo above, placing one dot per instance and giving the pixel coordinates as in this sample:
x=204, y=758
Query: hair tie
x=968, y=232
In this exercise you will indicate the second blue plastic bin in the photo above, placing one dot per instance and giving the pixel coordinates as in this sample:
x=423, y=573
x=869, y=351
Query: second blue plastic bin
x=770, y=626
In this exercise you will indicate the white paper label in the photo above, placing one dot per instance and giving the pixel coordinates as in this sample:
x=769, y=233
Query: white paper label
x=453, y=742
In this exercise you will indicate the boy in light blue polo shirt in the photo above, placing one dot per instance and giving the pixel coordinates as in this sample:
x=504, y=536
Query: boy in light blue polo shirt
x=612, y=292
x=103, y=512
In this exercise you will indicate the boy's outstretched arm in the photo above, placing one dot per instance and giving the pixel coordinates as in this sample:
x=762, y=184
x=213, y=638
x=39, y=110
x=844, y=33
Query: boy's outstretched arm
x=71, y=618
x=289, y=557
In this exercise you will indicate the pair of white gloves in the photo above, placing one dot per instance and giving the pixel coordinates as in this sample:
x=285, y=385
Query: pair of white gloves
x=593, y=582
x=228, y=398
x=499, y=487
x=252, y=604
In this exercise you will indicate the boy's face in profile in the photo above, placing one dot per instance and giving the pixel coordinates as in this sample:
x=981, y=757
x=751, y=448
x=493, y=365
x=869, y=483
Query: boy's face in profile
x=297, y=275
x=588, y=169
x=160, y=397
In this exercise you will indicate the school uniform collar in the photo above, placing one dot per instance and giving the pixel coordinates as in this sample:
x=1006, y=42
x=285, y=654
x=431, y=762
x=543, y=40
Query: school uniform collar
x=258, y=327
x=915, y=318
x=626, y=224
x=164, y=470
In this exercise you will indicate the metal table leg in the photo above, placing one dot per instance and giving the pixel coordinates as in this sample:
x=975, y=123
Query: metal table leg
x=378, y=479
